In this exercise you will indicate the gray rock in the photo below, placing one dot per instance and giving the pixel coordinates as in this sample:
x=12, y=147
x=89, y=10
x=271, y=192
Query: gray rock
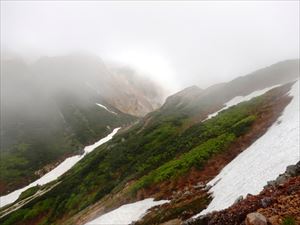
x=190, y=221
x=265, y=202
x=271, y=183
x=199, y=185
x=256, y=219
x=187, y=193
x=207, y=187
x=281, y=179
x=240, y=198
x=293, y=170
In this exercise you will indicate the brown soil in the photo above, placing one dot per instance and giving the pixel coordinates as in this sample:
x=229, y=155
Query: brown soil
x=286, y=205
x=34, y=221
x=182, y=206
x=108, y=203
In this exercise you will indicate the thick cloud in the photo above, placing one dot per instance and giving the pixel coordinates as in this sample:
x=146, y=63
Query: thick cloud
x=177, y=43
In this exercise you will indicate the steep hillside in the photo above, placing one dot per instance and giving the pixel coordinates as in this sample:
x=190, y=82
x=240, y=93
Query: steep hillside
x=278, y=203
x=170, y=154
x=52, y=108
x=278, y=146
x=87, y=75
x=195, y=104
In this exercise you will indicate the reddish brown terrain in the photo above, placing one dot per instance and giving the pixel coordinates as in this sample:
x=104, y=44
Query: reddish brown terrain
x=278, y=201
x=189, y=194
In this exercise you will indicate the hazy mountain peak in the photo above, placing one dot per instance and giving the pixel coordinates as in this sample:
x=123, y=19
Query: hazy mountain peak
x=184, y=96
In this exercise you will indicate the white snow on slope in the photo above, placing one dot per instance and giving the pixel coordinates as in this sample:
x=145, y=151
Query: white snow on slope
x=104, y=107
x=56, y=172
x=238, y=99
x=263, y=161
x=126, y=214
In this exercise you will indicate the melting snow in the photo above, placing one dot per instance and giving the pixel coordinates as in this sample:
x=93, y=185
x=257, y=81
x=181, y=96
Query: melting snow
x=57, y=171
x=126, y=214
x=238, y=99
x=104, y=107
x=263, y=161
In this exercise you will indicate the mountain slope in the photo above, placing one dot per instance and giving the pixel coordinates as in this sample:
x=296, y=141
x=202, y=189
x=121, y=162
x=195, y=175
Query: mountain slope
x=203, y=102
x=50, y=110
x=160, y=157
x=83, y=74
x=278, y=147
x=188, y=193
x=278, y=203
x=52, y=175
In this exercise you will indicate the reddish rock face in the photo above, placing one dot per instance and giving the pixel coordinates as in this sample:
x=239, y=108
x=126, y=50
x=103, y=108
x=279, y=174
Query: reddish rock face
x=256, y=219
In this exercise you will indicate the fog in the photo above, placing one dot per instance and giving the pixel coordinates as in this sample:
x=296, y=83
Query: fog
x=176, y=43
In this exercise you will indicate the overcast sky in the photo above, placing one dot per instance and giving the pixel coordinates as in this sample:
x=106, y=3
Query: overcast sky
x=177, y=43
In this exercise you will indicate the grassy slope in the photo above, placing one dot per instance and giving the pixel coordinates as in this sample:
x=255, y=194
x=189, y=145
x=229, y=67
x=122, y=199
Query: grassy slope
x=47, y=141
x=149, y=156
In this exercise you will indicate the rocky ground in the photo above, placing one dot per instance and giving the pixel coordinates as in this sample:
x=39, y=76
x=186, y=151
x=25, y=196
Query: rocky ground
x=277, y=204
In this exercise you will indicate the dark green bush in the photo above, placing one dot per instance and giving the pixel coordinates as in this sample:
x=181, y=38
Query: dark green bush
x=29, y=192
x=289, y=221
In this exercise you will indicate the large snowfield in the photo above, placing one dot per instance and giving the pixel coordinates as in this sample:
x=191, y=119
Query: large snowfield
x=263, y=161
x=126, y=214
x=57, y=171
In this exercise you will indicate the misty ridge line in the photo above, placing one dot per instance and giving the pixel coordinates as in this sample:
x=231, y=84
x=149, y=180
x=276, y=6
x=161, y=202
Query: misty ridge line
x=80, y=76
x=85, y=78
x=89, y=65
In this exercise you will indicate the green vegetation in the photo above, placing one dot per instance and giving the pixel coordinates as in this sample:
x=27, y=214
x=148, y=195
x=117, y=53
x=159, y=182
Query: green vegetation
x=161, y=151
x=194, y=158
x=20, y=161
x=289, y=221
x=29, y=192
x=38, y=143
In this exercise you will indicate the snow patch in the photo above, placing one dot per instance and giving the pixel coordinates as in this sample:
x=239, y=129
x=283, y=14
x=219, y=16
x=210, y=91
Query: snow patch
x=57, y=171
x=238, y=99
x=126, y=214
x=263, y=161
x=104, y=107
